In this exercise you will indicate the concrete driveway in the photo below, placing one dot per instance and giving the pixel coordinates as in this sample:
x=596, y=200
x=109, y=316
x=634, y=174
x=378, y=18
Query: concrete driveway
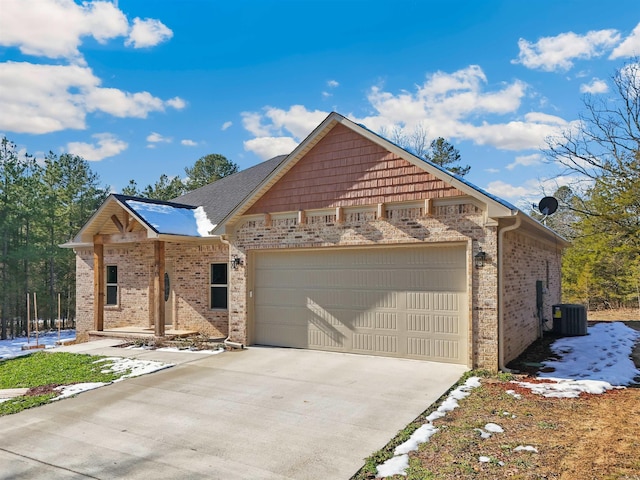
x=262, y=413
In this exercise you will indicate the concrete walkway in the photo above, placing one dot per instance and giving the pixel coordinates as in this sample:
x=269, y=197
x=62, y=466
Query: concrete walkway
x=262, y=413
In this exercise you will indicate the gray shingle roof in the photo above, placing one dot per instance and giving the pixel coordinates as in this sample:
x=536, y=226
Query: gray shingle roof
x=220, y=197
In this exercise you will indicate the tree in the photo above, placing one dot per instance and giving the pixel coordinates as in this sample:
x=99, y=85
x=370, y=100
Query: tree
x=603, y=153
x=444, y=154
x=208, y=169
x=164, y=188
x=439, y=151
x=565, y=218
x=131, y=189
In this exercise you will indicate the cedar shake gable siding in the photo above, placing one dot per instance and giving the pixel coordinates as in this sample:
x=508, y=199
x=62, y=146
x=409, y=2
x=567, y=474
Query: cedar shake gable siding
x=345, y=169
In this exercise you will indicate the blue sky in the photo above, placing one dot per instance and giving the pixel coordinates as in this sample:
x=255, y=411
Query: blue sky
x=141, y=88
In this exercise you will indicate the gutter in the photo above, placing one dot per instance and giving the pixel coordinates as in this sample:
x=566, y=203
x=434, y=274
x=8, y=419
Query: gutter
x=501, y=233
x=227, y=341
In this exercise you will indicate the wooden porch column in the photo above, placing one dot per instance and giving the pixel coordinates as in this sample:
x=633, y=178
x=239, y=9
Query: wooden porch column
x=98, y=284
x=158, y=287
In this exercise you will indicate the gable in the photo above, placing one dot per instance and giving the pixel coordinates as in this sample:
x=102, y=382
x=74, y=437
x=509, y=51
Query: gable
x=346, y=169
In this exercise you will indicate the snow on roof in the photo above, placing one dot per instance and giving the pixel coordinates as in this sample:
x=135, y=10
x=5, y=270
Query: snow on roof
x=173, y=219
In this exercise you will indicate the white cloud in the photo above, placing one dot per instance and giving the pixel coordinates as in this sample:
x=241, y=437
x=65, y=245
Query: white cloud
x=442, y=102
x=122, y=104
x=268, y=147
x=526, y=161
x=332, y=84
x=54, y=28
x=630, y=47
x=38, y=98
x=530, y=191
x=226, y=126
x=558, y=53
x=188, y=143
x=108, y=145
x=49, y=98
x=296, y=122
x=492, y=170
x=147, y=33
x=507, y=191
x=252, y=121
x=446, y=105
x=154, y=137
x=596, y=86
x=176, y=102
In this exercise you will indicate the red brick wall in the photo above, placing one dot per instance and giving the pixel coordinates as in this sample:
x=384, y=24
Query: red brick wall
x=346, y=169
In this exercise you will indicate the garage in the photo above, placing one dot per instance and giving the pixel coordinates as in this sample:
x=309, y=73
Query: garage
x=408, y=302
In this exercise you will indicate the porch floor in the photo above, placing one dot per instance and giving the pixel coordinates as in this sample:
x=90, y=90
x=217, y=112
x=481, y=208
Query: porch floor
x=139, y=332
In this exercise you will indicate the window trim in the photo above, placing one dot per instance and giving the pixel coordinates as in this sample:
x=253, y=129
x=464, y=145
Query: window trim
x=108, y=284
x=219, y=286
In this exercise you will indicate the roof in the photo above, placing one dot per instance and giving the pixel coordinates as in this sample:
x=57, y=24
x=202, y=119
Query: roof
x=158, y=218
x=220, y=197
x=169, y=218
x=206, y=210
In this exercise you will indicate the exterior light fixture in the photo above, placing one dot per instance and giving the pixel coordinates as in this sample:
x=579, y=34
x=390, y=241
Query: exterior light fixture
x=236, y=261
x=480, y=258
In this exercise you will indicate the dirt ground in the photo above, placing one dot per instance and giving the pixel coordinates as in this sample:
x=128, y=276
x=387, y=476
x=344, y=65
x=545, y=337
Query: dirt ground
x=591, y=437
x=586, y=438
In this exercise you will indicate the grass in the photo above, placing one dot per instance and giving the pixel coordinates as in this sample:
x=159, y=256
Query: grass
x=42, y=372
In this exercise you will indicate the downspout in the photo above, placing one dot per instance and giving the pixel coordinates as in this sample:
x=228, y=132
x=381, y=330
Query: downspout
x=501, y=365
x=227, y=342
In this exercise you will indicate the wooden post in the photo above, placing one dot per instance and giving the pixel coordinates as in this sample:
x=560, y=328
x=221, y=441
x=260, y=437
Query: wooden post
x=28, y=318
x=158, y=287
x=59, y=317
x=35, y=313
x=98, y=286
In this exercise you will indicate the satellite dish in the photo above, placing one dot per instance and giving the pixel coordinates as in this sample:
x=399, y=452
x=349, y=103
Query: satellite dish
x=548, y=205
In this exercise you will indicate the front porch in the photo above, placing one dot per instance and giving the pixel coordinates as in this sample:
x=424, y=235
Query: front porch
x=139, y=333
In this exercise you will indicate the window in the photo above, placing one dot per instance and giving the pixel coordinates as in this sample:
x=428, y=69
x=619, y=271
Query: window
x=218, y=294
x=112, y=285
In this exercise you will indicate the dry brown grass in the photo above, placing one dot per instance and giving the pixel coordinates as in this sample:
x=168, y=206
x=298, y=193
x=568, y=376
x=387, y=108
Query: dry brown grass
x=623, y=314
x=592, y=437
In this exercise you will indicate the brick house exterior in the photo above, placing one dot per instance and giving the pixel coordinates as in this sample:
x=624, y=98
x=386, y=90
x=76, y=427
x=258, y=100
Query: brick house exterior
x=347, y=244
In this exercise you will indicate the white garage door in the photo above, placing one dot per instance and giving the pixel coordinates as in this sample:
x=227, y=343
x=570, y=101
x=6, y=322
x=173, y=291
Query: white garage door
x=400, y=302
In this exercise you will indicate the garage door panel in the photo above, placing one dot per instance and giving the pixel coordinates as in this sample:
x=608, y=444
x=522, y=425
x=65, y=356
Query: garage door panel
x=404, y=302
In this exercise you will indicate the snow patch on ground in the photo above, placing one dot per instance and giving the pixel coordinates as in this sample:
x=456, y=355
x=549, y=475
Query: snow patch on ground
x=602, y=355
x=11, y=348
x=528, y=448
x=67, y=391
x=114, y=365
x=563, y=388
x=136, y=366
x=397, y=464
x=493, y=428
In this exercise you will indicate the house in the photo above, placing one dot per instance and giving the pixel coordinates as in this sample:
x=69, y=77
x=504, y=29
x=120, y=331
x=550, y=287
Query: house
x=348, y=244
